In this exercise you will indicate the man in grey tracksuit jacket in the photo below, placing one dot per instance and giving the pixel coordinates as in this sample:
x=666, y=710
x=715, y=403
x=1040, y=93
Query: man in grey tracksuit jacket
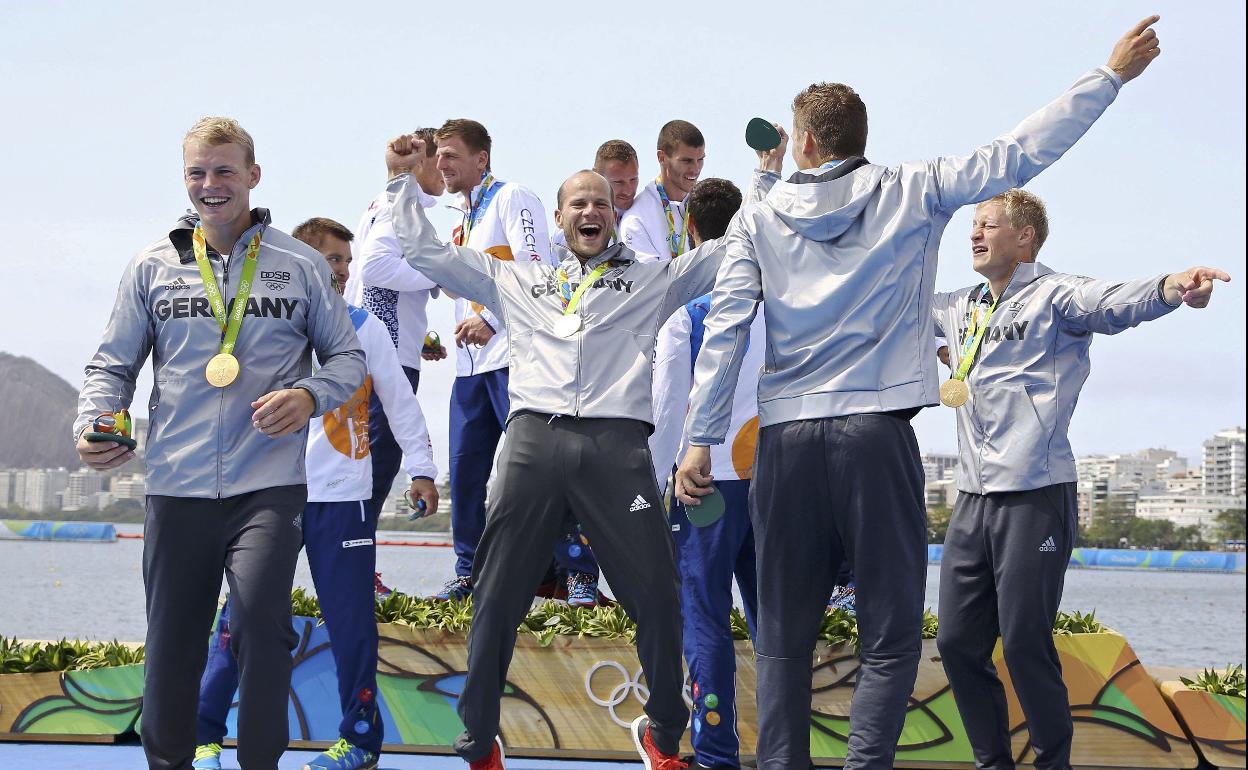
x=576, y=441
x=843, y=257
x=1015, y=519
x=225, y=484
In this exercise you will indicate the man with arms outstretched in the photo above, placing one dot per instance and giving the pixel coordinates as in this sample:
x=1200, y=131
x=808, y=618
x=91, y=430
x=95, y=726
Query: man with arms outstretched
x=1019, y=346
x=582, y=345
x=844, y=255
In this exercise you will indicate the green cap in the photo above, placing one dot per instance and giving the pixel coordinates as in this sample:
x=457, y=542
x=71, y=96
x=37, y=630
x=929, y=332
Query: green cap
x=710, y=511
x=761, y=135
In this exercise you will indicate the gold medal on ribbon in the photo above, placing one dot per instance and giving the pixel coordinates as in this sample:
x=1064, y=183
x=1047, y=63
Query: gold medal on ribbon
x=567, y=325
x=954, y=393
x=222, y=370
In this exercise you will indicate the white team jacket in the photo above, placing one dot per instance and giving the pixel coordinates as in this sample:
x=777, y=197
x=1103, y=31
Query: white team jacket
x=675, y=353
x=385, y=285
x=643, y=228
x=512, y=228
x=339, y=464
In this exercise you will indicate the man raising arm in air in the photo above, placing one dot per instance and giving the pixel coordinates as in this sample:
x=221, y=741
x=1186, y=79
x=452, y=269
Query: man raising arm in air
x=581, y=366
x=844, y=255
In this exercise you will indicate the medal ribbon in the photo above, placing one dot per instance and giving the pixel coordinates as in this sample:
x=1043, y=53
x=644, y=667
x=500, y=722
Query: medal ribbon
x=675, y=240
x=974, y=335
x=229, y=328
x=477, y=210
x=571, y=301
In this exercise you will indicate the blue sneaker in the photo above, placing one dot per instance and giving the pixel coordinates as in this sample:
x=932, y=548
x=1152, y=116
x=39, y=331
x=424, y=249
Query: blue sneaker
x=207, y=757
x=344, y=755
x=458, y=589
x=582, y=590
x=844, y=598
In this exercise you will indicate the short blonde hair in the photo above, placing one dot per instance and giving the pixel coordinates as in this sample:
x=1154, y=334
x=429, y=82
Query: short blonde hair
x=213, y=131
x=1023, y=209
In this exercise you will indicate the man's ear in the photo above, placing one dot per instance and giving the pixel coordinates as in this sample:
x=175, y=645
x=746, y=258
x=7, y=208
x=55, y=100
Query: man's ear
x=809, y=147
x=559, y=219
x=1027, y=236
x=694, y=237
x=255, y=176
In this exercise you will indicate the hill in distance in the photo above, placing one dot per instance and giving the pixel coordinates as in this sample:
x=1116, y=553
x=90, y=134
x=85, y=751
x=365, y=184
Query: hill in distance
x=39, y=410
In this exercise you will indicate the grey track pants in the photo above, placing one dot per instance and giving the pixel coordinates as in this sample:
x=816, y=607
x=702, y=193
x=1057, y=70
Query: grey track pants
x=827, y=490
x=1002, y=573
x=254, y=539
x=601, y=469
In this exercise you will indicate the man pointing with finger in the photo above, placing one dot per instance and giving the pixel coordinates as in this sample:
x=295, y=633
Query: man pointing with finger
x=843, y=256
x=1019, y=353
x=229, y=309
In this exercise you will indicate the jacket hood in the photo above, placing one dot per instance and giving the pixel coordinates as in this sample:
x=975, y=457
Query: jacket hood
x=822, y=204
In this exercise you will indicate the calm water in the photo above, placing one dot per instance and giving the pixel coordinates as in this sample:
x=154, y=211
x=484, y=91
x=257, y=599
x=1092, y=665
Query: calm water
x=95, y=591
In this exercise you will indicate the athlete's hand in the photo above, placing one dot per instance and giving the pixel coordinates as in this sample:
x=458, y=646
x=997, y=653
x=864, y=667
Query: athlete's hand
x=693, y=477
x=773, y=160
x=473, y=331
x=424, y=489
x=1136, y=50
x=405, y=154
x=282, y=412
x=433, y=354
x=103, y=455
x=1194, y=287
x=943, y=354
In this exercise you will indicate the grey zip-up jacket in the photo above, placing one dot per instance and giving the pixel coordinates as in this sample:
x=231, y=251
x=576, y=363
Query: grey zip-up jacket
x=1031, y=365
x=605, y=370
x=845, y=259
x=200, y=440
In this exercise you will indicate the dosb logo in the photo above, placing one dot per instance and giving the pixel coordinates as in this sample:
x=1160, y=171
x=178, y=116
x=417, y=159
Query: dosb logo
x=276, y=280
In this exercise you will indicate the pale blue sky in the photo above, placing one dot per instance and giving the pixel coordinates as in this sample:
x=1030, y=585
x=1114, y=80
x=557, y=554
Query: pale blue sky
x=97, y=97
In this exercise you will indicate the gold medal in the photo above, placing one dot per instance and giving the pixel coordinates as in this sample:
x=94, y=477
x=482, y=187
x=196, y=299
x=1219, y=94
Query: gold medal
x=567, y=325
x=222, y=369
x=954, y=393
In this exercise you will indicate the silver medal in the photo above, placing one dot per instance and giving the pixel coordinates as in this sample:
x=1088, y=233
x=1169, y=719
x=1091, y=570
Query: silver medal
x=567, y=325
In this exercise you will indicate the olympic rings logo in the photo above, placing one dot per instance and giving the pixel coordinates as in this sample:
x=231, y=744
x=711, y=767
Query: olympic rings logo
x=619, y=694
x=629, y=684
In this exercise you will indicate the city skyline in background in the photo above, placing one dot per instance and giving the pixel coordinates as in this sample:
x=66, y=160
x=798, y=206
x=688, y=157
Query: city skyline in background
x=1149, y=483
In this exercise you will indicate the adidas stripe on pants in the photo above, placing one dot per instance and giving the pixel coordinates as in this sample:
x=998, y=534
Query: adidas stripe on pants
x=1002, y=572
x=600, y=471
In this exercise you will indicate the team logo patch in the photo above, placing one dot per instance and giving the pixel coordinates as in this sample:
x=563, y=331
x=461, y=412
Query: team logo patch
x=275, y=280
x=357, y=543
x=639, y=504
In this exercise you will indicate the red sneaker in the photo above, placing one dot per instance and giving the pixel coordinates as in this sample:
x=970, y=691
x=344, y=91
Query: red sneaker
x=494, y=761
x=651, y=757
